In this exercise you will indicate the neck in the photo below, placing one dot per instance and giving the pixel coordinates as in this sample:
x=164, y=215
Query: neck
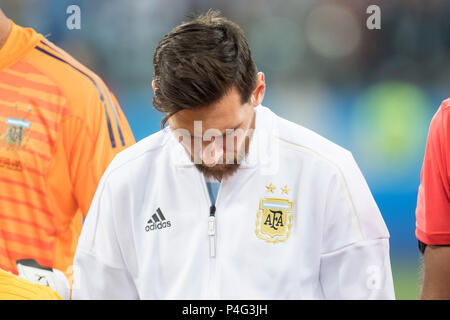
x=5, y=27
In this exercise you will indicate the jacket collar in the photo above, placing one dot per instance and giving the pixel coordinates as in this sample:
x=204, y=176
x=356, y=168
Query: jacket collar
x=260, y=143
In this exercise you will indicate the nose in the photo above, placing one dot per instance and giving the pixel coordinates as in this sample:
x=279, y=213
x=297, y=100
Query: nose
x=212, y=153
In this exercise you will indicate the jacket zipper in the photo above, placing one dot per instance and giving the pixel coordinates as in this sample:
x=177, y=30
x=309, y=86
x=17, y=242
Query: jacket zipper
x=212, y=231
x=212, y=234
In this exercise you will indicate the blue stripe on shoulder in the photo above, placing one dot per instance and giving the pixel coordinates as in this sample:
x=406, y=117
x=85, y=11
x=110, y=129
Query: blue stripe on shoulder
x=118, y=126
x=111, y=134
x=114, y=114
x=113, y=106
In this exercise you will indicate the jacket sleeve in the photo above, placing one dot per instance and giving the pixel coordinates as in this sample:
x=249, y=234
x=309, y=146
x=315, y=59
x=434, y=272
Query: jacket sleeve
x=100, y=272
x=355, y=261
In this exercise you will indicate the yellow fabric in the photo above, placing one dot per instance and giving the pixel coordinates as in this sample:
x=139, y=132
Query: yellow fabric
x=15, y=288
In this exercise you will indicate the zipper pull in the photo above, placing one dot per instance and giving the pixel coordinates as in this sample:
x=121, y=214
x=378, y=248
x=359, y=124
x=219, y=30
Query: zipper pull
x=212, y=231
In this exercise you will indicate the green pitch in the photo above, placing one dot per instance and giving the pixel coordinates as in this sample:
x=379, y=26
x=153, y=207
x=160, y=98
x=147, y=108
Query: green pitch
x=407, y=277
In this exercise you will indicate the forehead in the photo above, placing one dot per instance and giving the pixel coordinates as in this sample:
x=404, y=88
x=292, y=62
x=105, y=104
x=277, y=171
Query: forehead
x=226, y=113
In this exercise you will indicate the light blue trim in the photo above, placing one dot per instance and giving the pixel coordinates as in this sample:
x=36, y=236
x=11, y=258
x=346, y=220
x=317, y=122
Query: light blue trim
x=275, y=205
x=213, y=190
x=18, y=122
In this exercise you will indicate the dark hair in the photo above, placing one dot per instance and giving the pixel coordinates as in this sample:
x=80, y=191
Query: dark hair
x=199, y=61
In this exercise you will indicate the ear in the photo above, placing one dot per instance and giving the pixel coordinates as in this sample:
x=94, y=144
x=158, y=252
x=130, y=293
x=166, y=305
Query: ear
x=260, y=89
x=153, y=85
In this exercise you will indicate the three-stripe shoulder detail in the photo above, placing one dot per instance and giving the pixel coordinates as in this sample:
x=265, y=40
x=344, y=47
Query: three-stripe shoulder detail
x=98, y=83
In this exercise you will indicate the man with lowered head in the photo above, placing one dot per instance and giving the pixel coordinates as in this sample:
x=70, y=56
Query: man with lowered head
x=229, y=201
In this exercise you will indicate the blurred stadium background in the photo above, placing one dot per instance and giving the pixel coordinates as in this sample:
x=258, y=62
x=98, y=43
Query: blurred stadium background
x=372, y=91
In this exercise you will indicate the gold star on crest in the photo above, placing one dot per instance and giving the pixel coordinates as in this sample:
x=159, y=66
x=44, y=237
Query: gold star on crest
x=270, y=188
x=285, y=190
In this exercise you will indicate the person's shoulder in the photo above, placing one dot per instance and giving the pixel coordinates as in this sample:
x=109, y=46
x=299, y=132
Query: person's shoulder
x=79, y=84
x=442, y=115
x=445, y=105
x=439, y=127
x=142, y=153
x=295, y=137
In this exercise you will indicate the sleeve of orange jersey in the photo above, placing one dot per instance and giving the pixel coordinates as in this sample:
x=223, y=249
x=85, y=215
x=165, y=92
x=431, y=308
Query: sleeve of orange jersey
x=433, y=203
x=82, y=153
x=91, y=146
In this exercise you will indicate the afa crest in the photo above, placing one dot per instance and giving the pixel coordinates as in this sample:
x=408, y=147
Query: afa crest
x=15, y=132
x=274, y=219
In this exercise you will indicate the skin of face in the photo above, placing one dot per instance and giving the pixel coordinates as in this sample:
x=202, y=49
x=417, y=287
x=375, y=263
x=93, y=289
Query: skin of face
x=217, y=137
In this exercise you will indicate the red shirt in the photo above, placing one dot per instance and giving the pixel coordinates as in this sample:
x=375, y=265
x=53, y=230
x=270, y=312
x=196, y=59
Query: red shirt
x=433, y=202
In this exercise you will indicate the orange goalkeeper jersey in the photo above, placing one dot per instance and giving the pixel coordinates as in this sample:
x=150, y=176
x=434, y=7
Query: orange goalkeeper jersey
x=60, y=127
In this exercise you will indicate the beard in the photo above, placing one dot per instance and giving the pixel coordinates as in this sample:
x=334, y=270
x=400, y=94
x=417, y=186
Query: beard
x=224, y=170
x=229, y=165
x=219, y=171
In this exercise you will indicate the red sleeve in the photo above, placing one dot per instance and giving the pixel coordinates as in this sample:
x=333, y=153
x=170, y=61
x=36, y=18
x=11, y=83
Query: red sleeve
x=433, y=201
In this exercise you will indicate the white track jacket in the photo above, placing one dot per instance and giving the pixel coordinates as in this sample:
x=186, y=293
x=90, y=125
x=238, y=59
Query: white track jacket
x=296, y=221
